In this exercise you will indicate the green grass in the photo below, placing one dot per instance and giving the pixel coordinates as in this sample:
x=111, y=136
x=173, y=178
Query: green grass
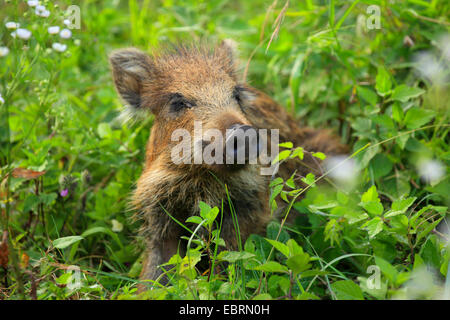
x=384, y=91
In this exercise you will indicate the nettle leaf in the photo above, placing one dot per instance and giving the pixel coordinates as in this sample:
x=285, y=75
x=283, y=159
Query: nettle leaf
x=380, y=165
x=319, y=155
x=404, y=93
x=402, y=140
x=194, y=219
x=64, y=242
x=208, y=213
x=384, y=121
x=366, y=155
x=30, y=203
x=275, y=192
x=298, y=152
x=383, y=82
x=332, y=230
x=370, y=195
x=347, y=290
x=373, y=207
x=299, y=263
x=233, y=256
x=281, y=156
x=276, y=181
x=104, y=130
x=400, y=206
x=48, y=198
x=284, y=249
x=309, y=179
x=294, y=247
x=397, y=113
x=387, y=269
x=287, y=145
x=416, y=117
x=367, y=95
x=290, y=182
x=373, y=226
x=272, y=266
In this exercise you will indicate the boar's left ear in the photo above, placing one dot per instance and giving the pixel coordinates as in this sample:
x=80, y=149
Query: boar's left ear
x=131, y=69
x=230, y=48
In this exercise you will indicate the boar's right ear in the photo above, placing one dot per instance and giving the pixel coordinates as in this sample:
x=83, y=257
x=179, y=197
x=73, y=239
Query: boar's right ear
x=131, y=69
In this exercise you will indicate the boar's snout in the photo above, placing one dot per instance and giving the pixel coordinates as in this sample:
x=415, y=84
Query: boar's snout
x=242, y=144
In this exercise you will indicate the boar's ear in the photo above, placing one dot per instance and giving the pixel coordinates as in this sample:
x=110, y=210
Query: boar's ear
x=230, y=50
x=131, y=69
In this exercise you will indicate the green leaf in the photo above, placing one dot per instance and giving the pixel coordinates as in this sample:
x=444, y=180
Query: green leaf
x=296, y=75
x=370, y=195
x=104, y=230
x=294, y=248
x=194, y=219
x=309, y=179
x=279, y=246
x=287, y=145
x=299, y=263
x=281, y=156
x=31, y=201
x=387, y=269
x=430, y=252
x=400, y=206
x=373, y=226
x=397, y=113
x=275, y=192
x=383, y=82
x=64, y=242
x=298, y=152
x=233, y=256
x=104, y=130
x=373, y=207
x=332, y=231
x=276, y=181
x=367, y=95
x=347, y=290
x=319, y=155
x=271, y=266
x=380, y=165
x=416, y=118
x=263, y=296
x=208, y=213
x=404, y=93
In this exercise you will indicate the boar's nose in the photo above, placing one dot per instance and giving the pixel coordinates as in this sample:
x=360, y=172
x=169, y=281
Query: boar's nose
x=242, y=144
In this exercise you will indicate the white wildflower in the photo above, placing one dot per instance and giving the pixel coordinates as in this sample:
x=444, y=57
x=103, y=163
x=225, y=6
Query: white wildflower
x=12, y=25
x=59, y=47
x=42, y=11
x=67, y=22
x=53, y=30
x=33, y=3
x=342, y=170
x=65, y=33
x=4, y=51
x=1, y=99
x=116, y=225
x=431, y=171
x=23, y=33
x=428, y=66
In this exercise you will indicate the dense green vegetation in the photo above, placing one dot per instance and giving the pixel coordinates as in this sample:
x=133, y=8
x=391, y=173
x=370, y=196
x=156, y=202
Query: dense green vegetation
x=374, y=228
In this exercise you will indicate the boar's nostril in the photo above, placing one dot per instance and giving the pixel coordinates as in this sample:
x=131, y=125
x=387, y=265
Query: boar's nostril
x=242, y=144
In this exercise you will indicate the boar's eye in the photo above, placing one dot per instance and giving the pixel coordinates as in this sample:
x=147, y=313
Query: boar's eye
x=237, y=94
x=178, y=103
